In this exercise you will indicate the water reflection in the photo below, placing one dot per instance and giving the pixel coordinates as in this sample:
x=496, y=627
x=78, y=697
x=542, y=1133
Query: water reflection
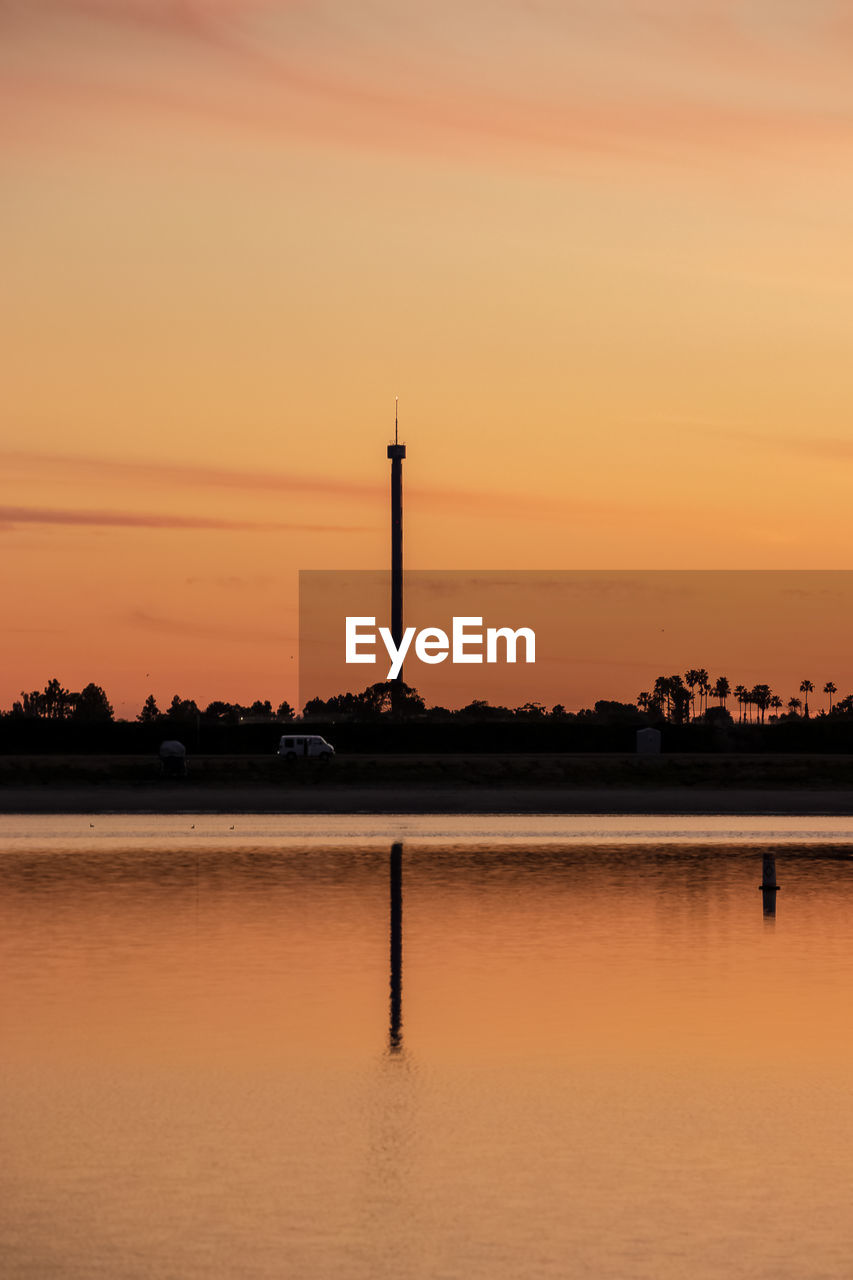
x=205, y=1071
x=395, y=1030
x=769, y=888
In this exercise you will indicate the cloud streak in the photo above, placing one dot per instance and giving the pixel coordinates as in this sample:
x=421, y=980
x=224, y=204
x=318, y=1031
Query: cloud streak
x=191, y=476
x=589, y=75
x=819, y=448
x=10, y=517
x=140, y=619
x=182, y=474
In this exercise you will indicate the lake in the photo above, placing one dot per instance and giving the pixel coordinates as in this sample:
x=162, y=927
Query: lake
x=472, y=1047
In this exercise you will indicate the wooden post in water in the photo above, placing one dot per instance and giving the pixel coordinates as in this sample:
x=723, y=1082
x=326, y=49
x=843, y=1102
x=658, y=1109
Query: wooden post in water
x=395, y=1030
x=769, y=888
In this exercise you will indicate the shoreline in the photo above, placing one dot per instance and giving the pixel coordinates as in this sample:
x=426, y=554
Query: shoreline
x=172, y=798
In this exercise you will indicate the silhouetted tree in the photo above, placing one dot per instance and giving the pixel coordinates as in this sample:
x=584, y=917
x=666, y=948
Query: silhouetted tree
x=719, y=717
x=704, y=690
x=721, y=689
x=661, y=695
x=261, y=709
x=479, y=709
x=285, y=711
x=218, y=710
x=611, y=712
x=150, y=711
x=794, y=705
x=776, y=703
x=691, y=679
x=438, y=713
x=760, y=695
x=830, y=688
x=671, y=698
x=806, y=687
x=408, y=701
x=32, y=704
x=386, y=695
x=345, y=704
x=182, y=709
x=676, y=697
x=377, y=700
x=92, y=705
x=56, y=701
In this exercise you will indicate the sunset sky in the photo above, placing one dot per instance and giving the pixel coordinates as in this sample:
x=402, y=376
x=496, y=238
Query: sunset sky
x=600, y=249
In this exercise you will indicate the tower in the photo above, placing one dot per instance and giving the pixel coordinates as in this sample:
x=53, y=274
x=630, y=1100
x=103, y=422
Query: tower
x=397, y=452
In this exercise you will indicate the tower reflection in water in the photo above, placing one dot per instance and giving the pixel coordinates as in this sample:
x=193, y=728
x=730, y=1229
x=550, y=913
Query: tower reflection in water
x=769, y=888
x=395, y=1028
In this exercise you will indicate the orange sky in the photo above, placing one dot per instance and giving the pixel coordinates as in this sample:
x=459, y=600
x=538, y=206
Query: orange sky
x=600, y=249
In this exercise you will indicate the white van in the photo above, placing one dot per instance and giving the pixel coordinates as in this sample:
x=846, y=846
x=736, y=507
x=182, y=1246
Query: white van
x=293, y=747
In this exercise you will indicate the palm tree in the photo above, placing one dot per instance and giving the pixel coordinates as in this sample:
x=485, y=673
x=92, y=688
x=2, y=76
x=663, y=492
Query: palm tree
x=660, y=695
x=830, y=688
x=679, y=699
x=740, y=694
x=704, y=688
x=761, y=695
x=721, y=690
x=691, y=679
x=794, y=705
x=806, y=687
x=776, y=703
x=644, y=700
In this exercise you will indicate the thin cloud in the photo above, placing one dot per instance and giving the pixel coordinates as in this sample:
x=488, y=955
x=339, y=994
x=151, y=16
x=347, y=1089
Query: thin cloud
x=141, y=620
x=232, y=581
x=10, y=517
x=192, y=476
x=831, y=448
x=589, y=76
x=189, y=473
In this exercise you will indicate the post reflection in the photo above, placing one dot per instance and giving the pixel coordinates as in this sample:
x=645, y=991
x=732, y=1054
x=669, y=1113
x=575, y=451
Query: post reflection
x=769, y=888
x=395, y=1029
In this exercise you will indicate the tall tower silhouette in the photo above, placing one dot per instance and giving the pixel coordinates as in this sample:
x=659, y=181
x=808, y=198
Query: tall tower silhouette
x=397, y=452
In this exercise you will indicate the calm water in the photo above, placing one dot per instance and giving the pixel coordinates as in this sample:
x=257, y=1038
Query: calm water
x=538, y=1047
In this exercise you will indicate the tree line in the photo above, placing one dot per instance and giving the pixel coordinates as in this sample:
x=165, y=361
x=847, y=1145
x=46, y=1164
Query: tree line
x=92, y=706
x=675, y=699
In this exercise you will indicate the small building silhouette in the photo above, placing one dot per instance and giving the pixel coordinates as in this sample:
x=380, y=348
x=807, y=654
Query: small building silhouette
x=648, y=742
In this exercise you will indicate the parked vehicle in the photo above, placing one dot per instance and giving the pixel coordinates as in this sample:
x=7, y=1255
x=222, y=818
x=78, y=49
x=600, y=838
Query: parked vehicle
x=311, y=744
x=173, y=759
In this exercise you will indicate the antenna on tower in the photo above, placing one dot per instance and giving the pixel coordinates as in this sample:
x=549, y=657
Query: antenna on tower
x=396, y=398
